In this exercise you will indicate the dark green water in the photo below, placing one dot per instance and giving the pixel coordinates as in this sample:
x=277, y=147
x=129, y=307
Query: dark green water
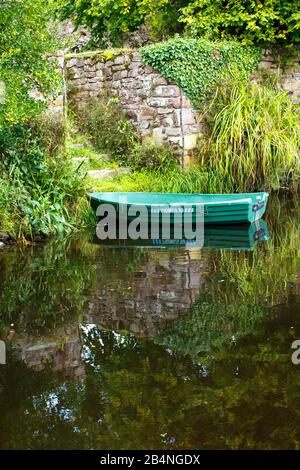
x=163, y=348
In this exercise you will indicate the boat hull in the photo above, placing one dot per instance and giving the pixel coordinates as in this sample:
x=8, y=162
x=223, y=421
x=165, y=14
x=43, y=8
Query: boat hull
x=170, y=208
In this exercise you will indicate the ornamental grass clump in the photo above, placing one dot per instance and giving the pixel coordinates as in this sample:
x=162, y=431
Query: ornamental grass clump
x=253, y=138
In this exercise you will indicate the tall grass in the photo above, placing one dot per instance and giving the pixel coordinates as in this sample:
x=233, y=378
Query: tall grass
x=253, y=138
x=50, y=129
x=195, y=180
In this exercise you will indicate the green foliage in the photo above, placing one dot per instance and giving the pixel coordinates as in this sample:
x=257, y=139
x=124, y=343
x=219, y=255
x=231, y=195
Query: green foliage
x=253, y=137
x=49, y=128
x=148, y=156
x=112, y=131
x=49, y=200
x=83, y=154
x=12, y=196
x=198, y=65
x=40, y=192
x=43, y=193
x=109, y=128
x=108, y=20
x=269, y=22
x=166, y=179
x=25, y=39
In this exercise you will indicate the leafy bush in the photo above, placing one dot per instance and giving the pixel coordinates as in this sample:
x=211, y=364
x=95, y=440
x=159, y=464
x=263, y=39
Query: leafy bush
x=253, y=137
x=197, y=66
x=41, y=194
x=149, y=156
x=50, y=200
x=270, y=22
x=109, y=19
x=12, y=196
x=110, y=129
x=25, y=40
x=50, y=129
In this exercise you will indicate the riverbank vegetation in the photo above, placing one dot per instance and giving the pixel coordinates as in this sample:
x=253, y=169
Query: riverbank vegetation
x=252, y=131
x=252, y=137
x=40, y=192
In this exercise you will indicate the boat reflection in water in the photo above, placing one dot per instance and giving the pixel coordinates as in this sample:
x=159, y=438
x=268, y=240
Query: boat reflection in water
x=230, y=237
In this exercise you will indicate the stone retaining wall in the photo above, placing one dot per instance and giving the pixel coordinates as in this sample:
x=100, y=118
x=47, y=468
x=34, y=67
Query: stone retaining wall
x=157, y=107
x=289, y=75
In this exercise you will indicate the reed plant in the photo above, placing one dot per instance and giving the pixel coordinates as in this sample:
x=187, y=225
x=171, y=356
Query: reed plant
x=252, y=139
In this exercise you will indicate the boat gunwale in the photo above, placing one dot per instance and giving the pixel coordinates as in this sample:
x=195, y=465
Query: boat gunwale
x=246, y=200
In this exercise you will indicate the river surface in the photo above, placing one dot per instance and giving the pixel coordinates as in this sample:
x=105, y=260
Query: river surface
x=163, y=347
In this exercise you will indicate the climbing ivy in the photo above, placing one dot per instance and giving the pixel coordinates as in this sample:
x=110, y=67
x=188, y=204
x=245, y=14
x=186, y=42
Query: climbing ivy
x=198, y=65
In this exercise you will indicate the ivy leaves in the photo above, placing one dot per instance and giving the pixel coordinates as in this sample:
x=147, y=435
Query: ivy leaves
x=198, y=65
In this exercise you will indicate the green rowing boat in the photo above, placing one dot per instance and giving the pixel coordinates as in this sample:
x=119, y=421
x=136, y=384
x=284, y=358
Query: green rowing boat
x=215, y=208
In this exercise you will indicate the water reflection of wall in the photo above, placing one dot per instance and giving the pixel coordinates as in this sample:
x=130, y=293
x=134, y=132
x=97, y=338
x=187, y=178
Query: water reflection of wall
x=161, y=287
x=62, y=352
x=165, y=287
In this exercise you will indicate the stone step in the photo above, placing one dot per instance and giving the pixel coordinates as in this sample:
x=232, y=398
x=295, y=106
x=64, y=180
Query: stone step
x=77, y=146
x=108, y=172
